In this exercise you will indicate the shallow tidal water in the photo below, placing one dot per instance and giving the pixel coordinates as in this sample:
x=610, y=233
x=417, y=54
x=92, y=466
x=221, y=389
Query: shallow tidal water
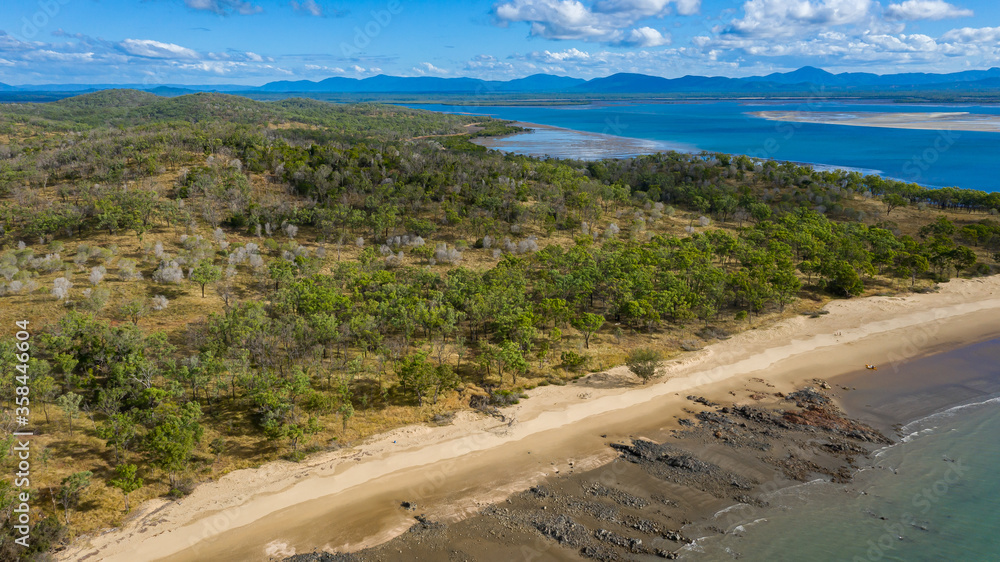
x=934, y=495
x=933, y=158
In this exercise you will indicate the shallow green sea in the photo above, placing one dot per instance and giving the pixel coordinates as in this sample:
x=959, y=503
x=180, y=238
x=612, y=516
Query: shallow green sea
x=935, y=495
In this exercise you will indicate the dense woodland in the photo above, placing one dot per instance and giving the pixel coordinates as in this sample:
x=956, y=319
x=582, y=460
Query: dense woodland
x=213, y=282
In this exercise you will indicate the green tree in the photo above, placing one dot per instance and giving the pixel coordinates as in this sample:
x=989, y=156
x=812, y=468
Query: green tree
x=842, y=279
x=940, y=227
x=963, y=258
x=555, y=310
x=44, y=387
x=119, y=431
x=588, y=323
x=643, y=363
x=784, y=284
x=417, y=376
x=126, y=481
x=69, y=403
x=134, y=310
x=281, y=271
x=71, y=489
x=205, y=273
x=513, y=360
x=892, y=201
x=346, y=411
x=173, y=437
x=912, y=265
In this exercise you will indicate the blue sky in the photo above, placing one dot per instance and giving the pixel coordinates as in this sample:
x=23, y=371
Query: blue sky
x=257, y=41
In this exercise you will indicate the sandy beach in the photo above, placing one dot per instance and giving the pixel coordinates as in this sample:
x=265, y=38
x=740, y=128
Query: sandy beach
x=349, y=499
x=933, y=121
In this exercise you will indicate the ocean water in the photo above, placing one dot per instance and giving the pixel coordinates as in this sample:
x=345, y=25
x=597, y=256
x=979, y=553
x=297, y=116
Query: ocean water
x=931, y=496
x=932, y=158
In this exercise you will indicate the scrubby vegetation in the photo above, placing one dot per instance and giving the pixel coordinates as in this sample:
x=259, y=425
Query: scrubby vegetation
x=214, y=282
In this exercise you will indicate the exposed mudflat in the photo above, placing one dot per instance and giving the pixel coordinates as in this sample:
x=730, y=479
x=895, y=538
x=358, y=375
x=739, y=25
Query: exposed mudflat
x=932, y=121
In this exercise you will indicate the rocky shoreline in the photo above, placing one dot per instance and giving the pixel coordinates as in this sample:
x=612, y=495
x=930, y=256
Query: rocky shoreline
x=657, y=494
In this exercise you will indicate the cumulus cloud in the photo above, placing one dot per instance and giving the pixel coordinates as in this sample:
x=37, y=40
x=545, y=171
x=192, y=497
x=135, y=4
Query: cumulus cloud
x=574, y=54
x=323, y=68
x=155, y=49
x=645, y=37
x=982, y=35
x=604, y=21
x=489, y=66
x=925, y=10
x=790, y=17
x=214, y=67
x=309, y=7
x=77, y=57
x=646, y=8
x=224, y=7
x=426, y=68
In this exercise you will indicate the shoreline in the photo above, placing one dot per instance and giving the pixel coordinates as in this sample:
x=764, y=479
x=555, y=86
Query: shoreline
x=560, y=142
x=931, y=121
x=456, y=470
x=617, y=510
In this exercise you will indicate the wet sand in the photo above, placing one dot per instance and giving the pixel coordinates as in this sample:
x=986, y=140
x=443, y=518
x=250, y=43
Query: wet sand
x=659, y=493
x=349, y=500
x=557, y=142
x=636, y=509
x=934, y=121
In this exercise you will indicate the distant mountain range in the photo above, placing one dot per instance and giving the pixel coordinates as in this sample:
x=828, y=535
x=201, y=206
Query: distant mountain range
x=803, y=80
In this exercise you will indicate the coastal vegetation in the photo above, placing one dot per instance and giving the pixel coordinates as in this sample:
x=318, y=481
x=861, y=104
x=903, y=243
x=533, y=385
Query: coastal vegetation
x=214, y=282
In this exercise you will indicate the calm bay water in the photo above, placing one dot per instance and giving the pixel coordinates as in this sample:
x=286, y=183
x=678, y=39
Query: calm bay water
x=933, y=158
x=931, y=496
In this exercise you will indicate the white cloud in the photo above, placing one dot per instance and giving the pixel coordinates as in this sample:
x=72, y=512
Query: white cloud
x=309, y=7
x=925, y=10
x=48, y=55
x=833, y=33
x=157, y=50
x=224, y=7
x=646, y=8
x=983, y=35
x=215, y=67
x=605, y=21
x=548, y=57
x=646, y=37
x=330, y=69
x=426, y=68
x=791, y=17
x=488, y=66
